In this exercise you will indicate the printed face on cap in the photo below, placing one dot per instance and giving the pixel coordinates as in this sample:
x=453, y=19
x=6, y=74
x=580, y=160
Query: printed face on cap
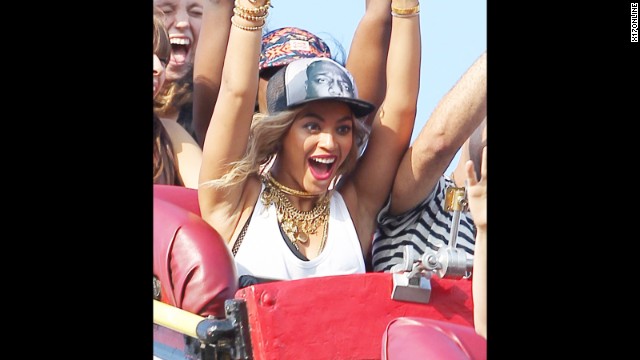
x=326, y=79
x=306, y=80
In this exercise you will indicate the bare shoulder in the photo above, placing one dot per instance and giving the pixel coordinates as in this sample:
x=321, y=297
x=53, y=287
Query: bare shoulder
x=177, y=133
x=187, y=151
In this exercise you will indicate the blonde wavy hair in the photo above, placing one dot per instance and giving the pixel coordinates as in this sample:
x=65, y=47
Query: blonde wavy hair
x=265, y=137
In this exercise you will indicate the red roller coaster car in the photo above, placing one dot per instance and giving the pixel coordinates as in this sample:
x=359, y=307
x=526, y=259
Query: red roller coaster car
x=422, y=311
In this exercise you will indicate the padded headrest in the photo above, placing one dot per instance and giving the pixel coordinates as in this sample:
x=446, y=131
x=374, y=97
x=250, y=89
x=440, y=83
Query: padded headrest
x=423, y=338
x=178, y=195
x=193, y=263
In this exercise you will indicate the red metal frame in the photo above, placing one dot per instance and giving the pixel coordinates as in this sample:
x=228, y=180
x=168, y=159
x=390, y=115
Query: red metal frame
x=341, y=317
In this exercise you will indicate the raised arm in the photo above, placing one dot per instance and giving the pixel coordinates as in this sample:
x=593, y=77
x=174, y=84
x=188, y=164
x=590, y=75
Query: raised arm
x=227, y=136
x=453, y=120
x=209, y=58
x=392, y=126
x=368, y=54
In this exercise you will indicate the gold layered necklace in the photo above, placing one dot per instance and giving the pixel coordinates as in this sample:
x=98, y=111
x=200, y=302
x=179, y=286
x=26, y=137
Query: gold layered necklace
x=298, y=225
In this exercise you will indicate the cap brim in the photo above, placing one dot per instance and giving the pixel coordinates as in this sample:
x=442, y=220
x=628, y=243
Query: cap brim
x=359, y=107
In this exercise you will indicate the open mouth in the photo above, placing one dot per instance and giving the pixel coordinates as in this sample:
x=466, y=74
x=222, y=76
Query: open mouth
x=322, y=167
x=179, y=50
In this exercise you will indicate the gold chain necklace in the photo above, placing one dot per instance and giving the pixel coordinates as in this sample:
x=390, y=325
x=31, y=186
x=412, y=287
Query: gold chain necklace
x=288, y=190
x=298, y=225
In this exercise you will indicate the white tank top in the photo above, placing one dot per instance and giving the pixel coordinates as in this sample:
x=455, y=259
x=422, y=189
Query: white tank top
x=263, y=252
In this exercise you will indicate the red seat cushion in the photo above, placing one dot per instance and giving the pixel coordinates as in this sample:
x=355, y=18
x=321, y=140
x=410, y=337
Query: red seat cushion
x=178, y=195
x=194, y=265
x=423, y=338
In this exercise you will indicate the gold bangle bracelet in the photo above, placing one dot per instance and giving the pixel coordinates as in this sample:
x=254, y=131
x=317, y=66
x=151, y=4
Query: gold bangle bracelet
x=405, y=16
x=255, y=11
x=248, y=16
x=247, y=28
x=408, y=11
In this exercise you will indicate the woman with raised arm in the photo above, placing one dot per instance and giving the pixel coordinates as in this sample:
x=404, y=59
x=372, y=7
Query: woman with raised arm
x=366, y=62
x=266, y=180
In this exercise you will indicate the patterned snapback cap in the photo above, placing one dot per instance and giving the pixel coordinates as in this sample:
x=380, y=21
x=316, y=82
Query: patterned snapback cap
x=282, y=46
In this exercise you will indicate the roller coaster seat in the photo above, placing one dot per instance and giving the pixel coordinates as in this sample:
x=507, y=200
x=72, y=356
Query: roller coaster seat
x=191, y=262
x=424, y=338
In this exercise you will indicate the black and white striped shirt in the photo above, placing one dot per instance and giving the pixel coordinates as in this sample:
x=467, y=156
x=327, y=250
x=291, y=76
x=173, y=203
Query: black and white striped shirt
x=427, y=225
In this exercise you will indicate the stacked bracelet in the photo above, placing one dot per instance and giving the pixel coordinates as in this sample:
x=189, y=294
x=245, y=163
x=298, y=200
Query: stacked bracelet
x=409, y=12
x=247, y=28
x=259, y=13
x=255, y=11
x=249, y=16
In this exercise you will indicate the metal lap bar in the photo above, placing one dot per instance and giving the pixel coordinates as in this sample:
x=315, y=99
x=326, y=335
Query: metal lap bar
x=411, y=279
x=227, y=338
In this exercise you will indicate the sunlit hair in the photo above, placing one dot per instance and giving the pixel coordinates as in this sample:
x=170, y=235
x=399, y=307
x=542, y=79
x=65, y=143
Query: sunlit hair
x=265, y=137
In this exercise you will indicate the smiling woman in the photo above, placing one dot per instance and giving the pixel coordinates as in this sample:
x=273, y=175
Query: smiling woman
x=268, y=182
x=183, y=20
x=176, y=155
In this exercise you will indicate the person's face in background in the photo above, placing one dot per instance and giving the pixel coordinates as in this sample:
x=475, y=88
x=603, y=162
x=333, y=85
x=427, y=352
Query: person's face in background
x=183, y=20
x=159, y=73
x=326, y=79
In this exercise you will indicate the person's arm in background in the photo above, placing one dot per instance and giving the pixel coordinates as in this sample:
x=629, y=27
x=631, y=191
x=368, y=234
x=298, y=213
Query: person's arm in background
x=209, y=58
x=471, y=150
x=477, y=196
x=367, y=60
x=453, y=120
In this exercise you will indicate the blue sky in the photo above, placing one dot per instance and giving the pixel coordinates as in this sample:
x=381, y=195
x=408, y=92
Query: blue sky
x=454, y=34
